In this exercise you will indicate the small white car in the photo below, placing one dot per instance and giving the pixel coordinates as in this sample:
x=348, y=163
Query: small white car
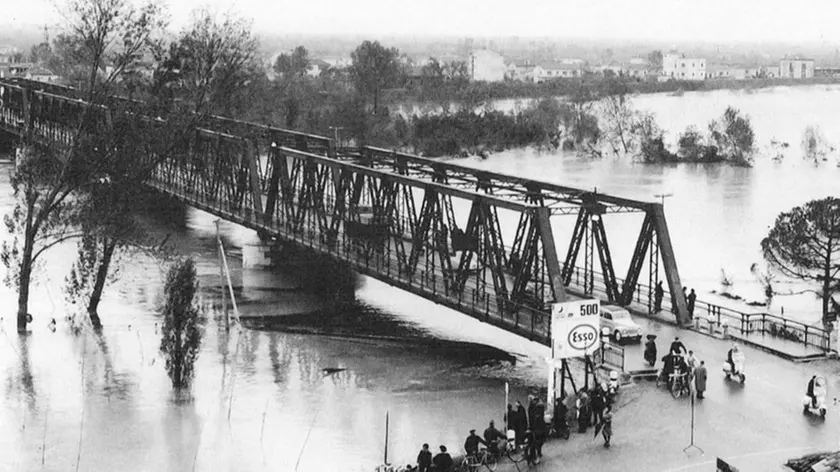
x=621, y=325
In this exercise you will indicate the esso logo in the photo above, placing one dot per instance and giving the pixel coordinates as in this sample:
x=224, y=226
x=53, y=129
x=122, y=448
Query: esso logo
x=582, y=337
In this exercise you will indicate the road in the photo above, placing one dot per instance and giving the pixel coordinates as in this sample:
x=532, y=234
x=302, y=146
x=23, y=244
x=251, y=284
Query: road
x=756, y=426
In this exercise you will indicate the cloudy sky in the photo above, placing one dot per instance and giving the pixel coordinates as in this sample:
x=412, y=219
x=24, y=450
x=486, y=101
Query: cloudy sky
x=668, y=20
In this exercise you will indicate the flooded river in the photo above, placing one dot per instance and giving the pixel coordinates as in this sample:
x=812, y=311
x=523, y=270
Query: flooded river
x=260, y=399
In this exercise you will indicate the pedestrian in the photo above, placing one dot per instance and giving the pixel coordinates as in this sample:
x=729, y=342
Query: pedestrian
x=531, y=448
x=560, y=413
x=606, y=426
x=424, y=459
x=692, y=297
x=532, y=405
x=691, y=361
x=700, y=379
x=509, y=416
x=658, y=293
x=521, y=423
x=442, y=461
x=584, y=411
x=598, y=402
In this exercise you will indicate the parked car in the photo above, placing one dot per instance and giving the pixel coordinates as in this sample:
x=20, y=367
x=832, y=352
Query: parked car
x=621, y=325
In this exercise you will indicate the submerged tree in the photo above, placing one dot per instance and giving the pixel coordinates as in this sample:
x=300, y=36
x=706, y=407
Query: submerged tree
x=733, y=136
x=804, y=244
x=815, y=147
x=374, y=68
x=181, y=332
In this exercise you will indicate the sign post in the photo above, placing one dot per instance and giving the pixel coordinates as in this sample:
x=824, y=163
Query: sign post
x=575, y=332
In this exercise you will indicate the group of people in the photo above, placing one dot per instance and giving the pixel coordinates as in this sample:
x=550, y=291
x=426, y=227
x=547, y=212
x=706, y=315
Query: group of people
x=659, y=293
x=529, y=428
x=682, y=363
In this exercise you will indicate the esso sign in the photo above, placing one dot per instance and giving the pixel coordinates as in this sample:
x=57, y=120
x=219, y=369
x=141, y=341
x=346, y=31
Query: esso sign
x=583, y=337
x=575, y=328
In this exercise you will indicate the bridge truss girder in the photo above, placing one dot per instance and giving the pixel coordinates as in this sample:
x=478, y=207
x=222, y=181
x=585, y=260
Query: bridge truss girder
x=263, y=177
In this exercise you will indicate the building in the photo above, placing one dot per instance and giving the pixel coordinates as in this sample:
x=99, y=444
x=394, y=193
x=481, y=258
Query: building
x=42, y=75
x=679, y=67
x=520, y=70
x=556, y=70
x=796, y=68
x=487, y=65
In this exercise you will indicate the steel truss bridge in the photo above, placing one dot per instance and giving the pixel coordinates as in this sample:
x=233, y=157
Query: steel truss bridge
x=482, y=243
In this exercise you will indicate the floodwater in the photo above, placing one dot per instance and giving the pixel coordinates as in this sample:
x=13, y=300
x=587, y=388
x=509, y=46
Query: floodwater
x=260, y=399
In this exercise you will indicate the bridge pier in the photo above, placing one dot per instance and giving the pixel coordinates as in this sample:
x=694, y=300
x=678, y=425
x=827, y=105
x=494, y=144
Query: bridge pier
x=262, y=254
x=315, y=272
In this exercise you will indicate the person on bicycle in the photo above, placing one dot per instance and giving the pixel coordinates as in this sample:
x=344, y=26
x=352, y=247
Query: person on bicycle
x=677, y=346
x=472, y=442
x=531, y=448
x=492, y=437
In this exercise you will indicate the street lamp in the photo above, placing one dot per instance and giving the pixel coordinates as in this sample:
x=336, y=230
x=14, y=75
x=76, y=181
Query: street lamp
x=663, y=196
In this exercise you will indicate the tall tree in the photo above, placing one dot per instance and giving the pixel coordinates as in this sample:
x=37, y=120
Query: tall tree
x=655, y=60
x=102, y=31
x=374, y=68
x=804, y=244
x=210, y=63
x=294, y=64
x=181, y=331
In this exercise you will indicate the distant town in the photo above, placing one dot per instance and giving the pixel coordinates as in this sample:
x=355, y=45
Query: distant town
x=488, y=65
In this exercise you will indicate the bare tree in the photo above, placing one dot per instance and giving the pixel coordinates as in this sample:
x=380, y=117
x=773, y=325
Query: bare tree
x=101, y=32
x=209, y=63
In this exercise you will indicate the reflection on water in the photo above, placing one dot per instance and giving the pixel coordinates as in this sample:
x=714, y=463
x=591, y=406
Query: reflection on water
x=261, y=399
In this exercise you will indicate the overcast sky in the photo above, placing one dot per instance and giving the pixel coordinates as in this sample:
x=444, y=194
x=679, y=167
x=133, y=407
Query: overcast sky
x=661, y=20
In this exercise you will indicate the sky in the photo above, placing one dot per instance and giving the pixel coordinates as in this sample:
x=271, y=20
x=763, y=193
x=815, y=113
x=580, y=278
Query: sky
x=657, y=20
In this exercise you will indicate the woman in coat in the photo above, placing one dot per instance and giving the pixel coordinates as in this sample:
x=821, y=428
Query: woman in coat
x=700, y=375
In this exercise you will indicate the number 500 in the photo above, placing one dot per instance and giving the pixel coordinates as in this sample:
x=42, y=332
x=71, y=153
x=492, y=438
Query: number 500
x=589, y=310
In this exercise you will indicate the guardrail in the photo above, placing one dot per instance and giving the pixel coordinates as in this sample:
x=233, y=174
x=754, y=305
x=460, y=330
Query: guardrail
x=742, y=323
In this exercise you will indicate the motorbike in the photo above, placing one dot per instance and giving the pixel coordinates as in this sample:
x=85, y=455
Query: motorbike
x=818, y=407
x=738, y=360
x=613, y=384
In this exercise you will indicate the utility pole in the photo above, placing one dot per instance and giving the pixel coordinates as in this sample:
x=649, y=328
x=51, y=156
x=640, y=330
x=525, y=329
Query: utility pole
x=336, y=130
x=222, y=276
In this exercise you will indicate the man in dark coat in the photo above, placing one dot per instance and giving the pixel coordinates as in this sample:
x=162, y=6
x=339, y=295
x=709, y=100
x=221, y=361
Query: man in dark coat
x=538, y=425
x=560, y=413
x=692, y=297
x=472, y=442
x=598, y=403
x=443, y=461
x=700, y=376
x=424, y=459
x=521, y=423
x=810, y=391
x=492, y=436
x=658, y=293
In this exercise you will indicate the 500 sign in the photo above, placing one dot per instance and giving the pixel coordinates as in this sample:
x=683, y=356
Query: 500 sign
x=590, y=309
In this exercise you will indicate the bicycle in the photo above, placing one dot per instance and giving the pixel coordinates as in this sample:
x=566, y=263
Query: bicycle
x=678, y=385
x=484, y=458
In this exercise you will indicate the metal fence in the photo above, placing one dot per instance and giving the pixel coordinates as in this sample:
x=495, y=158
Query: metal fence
x=736, y=321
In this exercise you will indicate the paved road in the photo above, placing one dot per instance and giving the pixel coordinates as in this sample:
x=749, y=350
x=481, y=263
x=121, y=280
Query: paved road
x=757, y=426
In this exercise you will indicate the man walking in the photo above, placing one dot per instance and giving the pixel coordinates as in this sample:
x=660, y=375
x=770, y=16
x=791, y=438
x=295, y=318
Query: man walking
x=700, y=375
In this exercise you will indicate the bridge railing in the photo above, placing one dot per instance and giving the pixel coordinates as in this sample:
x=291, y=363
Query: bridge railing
x=742, y=323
